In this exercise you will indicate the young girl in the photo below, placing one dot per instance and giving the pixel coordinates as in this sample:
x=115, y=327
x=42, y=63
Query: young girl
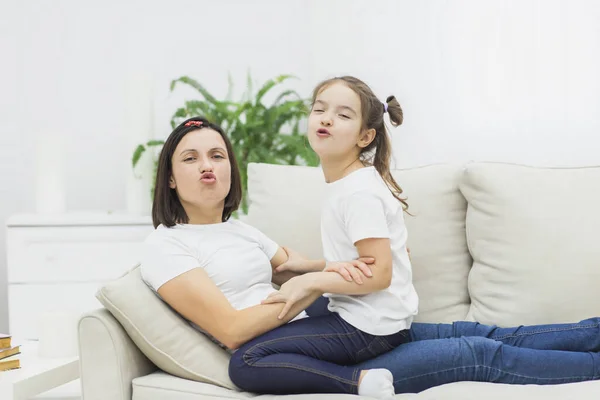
x=362, y=217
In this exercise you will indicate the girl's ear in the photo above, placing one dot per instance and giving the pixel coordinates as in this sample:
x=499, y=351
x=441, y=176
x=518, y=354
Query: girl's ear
x=172, y=184
x=366, y=138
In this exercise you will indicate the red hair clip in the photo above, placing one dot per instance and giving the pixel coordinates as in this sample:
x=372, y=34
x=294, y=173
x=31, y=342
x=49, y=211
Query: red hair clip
x=195, y=123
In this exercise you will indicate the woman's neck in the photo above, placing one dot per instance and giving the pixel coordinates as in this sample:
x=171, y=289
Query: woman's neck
x=204, y=215
x=334, y=170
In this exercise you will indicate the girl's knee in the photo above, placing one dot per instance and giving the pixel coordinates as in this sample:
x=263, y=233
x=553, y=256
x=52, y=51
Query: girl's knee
x=480, y=349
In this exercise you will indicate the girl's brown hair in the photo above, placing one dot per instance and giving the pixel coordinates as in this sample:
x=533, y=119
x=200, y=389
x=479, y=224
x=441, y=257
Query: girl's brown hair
x=166, y=207
x=379, y=152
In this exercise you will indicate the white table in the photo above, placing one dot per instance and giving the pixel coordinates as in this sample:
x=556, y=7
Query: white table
x=36, y=375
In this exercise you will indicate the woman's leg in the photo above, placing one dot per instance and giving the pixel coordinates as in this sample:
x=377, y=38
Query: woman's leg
x=581, y=336
x=307, y=356
x=423, y=364
x=319, y=308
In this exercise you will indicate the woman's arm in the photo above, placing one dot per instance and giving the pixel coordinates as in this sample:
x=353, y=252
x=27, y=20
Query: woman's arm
x=197, y=298
x=279, y=260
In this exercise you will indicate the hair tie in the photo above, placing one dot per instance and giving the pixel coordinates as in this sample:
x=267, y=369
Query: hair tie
x=385, y=107
x=195, y=123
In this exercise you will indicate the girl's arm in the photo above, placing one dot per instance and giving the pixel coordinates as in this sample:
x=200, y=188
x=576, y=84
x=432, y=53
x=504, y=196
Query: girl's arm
x=197, y=298
x=298, y=288
x=288, y=264
x=377, y=248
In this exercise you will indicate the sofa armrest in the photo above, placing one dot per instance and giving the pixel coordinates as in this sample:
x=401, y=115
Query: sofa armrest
x=108, y=359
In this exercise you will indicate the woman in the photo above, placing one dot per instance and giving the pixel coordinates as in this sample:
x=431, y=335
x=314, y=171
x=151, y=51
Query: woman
x=215, y=272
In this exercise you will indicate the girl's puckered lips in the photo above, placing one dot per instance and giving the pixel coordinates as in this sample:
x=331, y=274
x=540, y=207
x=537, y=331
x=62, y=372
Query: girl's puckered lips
x=322, y=132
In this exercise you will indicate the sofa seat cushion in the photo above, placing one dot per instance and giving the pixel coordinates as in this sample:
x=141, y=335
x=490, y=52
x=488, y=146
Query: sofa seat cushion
x=496, y=391
x=159, y=386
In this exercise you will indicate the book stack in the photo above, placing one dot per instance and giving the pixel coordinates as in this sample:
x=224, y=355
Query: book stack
x=8, y=353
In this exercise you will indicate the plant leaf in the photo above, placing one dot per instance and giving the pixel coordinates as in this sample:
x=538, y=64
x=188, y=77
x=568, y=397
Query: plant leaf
x=193, y=83
x=137, y=154
x=269, y=85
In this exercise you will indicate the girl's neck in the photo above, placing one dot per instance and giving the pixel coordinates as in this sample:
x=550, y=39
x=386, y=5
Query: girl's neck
x=204, y=216
x=334, y=170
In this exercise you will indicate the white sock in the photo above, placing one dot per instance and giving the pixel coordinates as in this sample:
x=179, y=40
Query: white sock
x=378, y=383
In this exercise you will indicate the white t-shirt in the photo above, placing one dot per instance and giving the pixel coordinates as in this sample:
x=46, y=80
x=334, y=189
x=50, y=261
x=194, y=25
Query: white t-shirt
x=361, y=206
x=236, y=257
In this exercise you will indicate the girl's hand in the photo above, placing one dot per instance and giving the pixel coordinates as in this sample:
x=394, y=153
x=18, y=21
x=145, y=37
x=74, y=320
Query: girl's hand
x=294, y=290
x=353, y=270
x=295, y=263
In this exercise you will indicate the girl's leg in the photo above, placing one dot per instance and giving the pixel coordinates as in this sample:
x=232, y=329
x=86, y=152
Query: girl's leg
x=307, y=356
x=582, y=336
x=424, y=364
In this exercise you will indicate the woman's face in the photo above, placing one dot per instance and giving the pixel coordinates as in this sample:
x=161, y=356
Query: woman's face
x=201, y=169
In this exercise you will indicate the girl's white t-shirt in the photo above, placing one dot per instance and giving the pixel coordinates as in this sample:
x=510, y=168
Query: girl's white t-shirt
x=236, y=257
x=361, y=206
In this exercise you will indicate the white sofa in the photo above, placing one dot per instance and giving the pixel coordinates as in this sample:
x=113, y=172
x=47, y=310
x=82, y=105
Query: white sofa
x=495, y=243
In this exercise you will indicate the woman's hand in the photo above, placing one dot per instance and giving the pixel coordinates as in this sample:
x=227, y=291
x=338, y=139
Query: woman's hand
x=294, y=290
x=353, y=270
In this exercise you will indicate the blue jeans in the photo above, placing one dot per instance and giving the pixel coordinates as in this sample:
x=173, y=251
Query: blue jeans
x=468, y=351
x=436, y=354
x=311, y=355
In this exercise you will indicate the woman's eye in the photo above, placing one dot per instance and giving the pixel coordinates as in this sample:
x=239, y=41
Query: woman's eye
x=317, y=110
x=344, y=116
x=218, y=156
x=189, y=159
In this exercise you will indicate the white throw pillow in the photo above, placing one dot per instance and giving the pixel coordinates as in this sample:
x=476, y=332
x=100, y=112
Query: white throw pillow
x=285, y=204
x=166, y=338
x=437, y=240
x=533, y=234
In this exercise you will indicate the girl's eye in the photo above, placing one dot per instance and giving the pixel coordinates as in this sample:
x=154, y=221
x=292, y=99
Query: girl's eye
x=189, y=159
x=344, y=116
x=317, y=110
x=218, y=156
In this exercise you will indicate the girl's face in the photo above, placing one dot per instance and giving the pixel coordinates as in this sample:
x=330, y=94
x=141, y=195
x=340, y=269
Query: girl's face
x=201, y=169
x=335, y=122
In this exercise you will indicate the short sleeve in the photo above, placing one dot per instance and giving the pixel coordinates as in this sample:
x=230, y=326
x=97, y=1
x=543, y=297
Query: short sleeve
x=268, y=246
x=164, y=258
x=365, y=217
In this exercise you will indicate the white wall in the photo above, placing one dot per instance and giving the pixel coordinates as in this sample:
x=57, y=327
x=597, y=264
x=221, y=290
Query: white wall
x=479, y=80
x=494, y=80
x=65, y=66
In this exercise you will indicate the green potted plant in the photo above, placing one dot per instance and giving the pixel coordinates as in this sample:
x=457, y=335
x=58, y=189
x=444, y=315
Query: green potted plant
x=259, y=132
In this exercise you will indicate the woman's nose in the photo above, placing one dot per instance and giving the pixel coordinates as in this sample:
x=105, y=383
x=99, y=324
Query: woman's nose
x=206, y=166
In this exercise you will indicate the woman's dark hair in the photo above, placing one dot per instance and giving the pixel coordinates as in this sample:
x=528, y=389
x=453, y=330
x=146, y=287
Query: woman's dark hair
x=379, y=152
x=166, y=206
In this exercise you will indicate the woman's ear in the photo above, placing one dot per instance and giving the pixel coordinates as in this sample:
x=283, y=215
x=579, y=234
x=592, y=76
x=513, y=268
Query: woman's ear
x=172, y=184
x=366, y=138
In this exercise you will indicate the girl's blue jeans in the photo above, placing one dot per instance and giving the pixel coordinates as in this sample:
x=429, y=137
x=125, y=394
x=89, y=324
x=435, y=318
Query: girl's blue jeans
x=324, y=354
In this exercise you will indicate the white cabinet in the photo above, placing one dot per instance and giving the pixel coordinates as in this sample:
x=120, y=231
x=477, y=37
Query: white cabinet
x=57, y=263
